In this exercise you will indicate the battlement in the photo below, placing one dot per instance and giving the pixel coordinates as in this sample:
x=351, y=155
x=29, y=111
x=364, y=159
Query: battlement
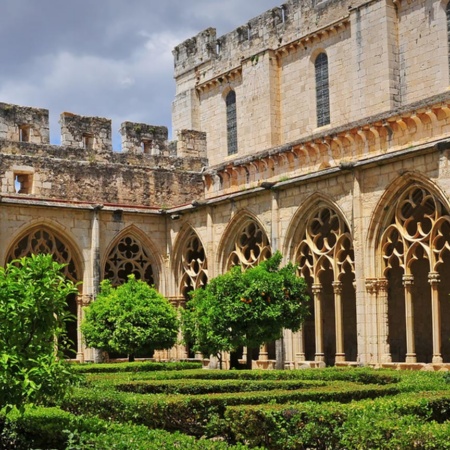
x=91, y=136
x=90, y=133
x=143, y=138
x=24, y=124
x=270, y=30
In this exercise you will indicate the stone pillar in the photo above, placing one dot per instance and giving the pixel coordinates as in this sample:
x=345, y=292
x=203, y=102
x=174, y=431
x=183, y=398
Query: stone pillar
x=80, y=305
x=299, y=338
x=383, y=321
x=339, y=324
x=408, y=281
x=317, y=293
x=96, y=269
x=433, y=279
x=263, y=353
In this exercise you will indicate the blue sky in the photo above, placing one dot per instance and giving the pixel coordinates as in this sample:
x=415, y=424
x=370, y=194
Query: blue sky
x=107, y=58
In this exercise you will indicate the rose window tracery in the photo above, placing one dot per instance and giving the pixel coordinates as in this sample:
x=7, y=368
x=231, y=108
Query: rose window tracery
x=194, y=266
x=43, y=241
x=251, y=247
x=420, y=223
x=126, y=258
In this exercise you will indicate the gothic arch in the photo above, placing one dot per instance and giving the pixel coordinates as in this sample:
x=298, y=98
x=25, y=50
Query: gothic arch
x=49, y=238
x=385, y=209
x=321, y=243
x=245, y=242
x=132, y=251
x=190, y=263
x=307, y=208
x=412, y=250
x=58, y=235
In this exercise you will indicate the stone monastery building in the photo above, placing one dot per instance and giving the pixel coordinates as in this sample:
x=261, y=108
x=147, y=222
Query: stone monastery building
x=320, y=128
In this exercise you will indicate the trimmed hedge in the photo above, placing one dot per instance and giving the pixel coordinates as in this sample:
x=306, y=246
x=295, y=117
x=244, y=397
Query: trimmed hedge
x=385, y=423
x=51, y=428
x=147, y=366
x=196, y=387
x=195, y=414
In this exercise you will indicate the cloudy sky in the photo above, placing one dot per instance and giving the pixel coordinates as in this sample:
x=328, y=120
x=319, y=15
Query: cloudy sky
x=107, y=58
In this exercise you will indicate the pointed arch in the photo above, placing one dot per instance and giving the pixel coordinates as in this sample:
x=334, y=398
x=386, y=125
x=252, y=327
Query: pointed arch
x=320, y=242
x=132, y=252
x=245, y=242
x=45, y=236
x=190, y=264
x=410, y=231
x=384, y=212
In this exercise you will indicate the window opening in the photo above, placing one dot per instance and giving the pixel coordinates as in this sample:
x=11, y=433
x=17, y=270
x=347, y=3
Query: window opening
x=231, y=123
x=147, y=145
x=448, y=32
x=24, y=133
x=88, y=141
x=23, y=183
x=322, y=90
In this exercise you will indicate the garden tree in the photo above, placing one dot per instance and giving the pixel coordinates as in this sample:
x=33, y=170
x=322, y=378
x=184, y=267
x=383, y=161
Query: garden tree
x=33, y=316
x=130, y=318
x=245, y=308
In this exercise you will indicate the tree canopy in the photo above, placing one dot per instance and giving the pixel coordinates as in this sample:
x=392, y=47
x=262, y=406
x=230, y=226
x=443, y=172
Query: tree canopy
x=33, y=316
x=245, y=308
x=130, y=318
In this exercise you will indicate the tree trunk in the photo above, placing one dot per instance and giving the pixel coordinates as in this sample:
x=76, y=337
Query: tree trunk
x=131, y=357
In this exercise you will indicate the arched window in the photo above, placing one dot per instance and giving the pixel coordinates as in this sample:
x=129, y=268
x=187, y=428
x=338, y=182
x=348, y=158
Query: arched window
x=128, y=257
x=231, y=123
x=448, y=31
x=322, y=90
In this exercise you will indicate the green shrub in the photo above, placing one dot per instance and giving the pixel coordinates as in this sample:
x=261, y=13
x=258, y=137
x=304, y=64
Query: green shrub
x=51, y=428
x=147, y=366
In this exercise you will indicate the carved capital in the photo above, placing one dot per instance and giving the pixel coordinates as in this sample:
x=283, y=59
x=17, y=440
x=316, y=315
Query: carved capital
x=372, y=285
x=337, y=287
x=84, y=299
x=316, y=288
x=434, y=278
x=408, y=279
x=382, y=285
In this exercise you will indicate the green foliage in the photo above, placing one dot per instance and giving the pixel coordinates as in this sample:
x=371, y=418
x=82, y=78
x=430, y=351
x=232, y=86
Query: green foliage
x=130, y=318
x=245, y=308
x=33, y=316
x=144, y=366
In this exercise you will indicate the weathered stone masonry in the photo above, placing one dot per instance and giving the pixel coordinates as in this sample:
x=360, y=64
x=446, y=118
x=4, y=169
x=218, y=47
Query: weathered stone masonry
x=339, y=114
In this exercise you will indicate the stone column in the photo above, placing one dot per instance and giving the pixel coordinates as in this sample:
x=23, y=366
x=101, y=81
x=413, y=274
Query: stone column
x=96, y=269
x=339, y=324
x=434, y=279
x=299, y=337
x=383, y=320
x=263, y=353
x=317, y=293
x=408, y=281
x=82, y=300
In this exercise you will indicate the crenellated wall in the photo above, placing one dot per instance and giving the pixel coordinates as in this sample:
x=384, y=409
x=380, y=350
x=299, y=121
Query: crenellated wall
x=147, y=173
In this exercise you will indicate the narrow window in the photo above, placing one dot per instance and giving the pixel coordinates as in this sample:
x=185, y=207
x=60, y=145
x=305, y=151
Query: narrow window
x=23, y=183
x=322, y=90
x=24, y=133
x=88, y=141
x=448, y=31
x=231, y=123
x=146, y=146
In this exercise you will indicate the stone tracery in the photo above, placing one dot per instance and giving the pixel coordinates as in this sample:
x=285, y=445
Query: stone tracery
x=194, y=266
x=325, y=257
x=415, y=245
x=251, y=246
x=128, y=257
